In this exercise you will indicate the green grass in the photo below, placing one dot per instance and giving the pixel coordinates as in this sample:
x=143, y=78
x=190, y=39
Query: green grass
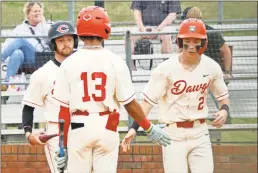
x=241, y=136
x=240, y=33
x=120, y=11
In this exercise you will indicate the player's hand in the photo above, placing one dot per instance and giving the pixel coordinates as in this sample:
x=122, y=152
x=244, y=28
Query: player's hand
x=126, y=143
x=220, y=118
x=33, y=138
x=61, y=161
x=156, y=134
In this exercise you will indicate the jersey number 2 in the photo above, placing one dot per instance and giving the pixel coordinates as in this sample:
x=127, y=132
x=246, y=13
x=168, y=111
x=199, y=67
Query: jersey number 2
x=200, y=106
x=100, y=87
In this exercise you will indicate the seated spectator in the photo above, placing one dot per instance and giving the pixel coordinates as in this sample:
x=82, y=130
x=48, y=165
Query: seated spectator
x=216, y=43
x=154, y=16
x=22, y=50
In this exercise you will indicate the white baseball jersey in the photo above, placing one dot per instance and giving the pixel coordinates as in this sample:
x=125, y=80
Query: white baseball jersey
x=40, y=90
x=93, y=81
x=181, y=94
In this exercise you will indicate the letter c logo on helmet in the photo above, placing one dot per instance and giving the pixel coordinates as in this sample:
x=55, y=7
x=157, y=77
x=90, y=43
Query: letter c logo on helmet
x=62, y=28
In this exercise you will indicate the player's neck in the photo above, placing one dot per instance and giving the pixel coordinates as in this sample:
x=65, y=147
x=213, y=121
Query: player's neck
x=189, y=60
x=92, y=44
x=59, y=57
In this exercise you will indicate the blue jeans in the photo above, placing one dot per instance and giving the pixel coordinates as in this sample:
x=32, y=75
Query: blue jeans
x=20, y=52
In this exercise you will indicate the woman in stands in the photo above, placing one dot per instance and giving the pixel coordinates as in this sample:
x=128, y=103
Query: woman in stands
x=22, y=50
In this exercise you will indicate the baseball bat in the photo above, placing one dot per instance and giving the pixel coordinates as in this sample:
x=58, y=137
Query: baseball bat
x=61, y=139
x=45, y=138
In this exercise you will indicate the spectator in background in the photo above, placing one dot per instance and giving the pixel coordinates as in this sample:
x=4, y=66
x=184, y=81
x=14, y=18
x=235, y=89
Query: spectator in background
x=216, y=44
x=154, y=16
x=22, y=50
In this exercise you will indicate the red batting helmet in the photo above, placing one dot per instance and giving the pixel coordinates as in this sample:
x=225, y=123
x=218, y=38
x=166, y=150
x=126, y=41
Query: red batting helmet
x=192, y=28
x=93, y=21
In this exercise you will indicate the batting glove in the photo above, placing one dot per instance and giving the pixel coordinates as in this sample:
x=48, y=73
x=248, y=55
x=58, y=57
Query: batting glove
x=61, y=161
x=156, y=134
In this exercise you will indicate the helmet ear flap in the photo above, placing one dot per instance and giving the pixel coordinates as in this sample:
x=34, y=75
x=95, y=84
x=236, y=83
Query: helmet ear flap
x=180, y=43
x=204, y=44
x=75, y=45
x=203, y=41
x=52, y=45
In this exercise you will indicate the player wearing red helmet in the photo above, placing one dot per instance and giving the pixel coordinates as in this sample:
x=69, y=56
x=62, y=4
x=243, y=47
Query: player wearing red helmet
x=193, y=29
x=180, y=87
x=92, y=84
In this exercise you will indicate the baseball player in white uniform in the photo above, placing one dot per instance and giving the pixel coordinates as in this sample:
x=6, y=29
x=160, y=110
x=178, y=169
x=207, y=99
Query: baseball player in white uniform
x=63, y=40
x=92, y=84
x=180, y=86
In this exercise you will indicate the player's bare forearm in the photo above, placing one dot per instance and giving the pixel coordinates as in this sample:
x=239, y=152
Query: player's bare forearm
x=224, y=101
x=135, y=111
x=146, y=107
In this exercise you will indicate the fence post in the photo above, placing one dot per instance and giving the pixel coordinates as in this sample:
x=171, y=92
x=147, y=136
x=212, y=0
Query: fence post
x=1, y=92
x=71, y=11
x=128, y=57
x=220, y=12
x=99, y=3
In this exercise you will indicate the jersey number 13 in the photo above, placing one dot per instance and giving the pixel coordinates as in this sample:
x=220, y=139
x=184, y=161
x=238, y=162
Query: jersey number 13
x=100, y=87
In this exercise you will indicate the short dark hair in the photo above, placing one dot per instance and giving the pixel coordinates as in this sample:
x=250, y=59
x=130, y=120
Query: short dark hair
x=91, y=38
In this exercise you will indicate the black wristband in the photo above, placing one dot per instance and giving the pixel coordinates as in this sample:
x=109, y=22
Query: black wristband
x=225, y=107
x=135, y=126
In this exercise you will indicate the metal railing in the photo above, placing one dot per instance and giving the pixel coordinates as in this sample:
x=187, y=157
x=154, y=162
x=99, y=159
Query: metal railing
x=127, y=36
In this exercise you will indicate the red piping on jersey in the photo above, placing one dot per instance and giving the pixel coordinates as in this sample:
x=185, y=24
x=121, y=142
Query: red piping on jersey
x=127, y=99
x=221, y=96
x=149, y=99
x=61, y=101
x=32, y=103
